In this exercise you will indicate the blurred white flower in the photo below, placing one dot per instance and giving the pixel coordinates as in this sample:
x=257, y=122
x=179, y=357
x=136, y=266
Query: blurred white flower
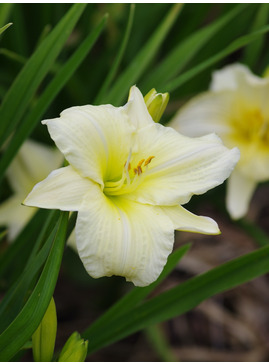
x=237, y=109
x=33, y=162
x=128, y=177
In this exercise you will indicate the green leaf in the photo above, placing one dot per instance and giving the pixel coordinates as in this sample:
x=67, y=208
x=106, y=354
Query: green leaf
x=18, y=293
x=13, y=56
x=182, y=298
x=137, y=294
x=159, y=343
x=33, y=117
x=113, y=70
x=253, y=50
x=234, y=46
x=5, y=27
x=143, y=58
x=24, y=87
x=182, y=54
x=5, y=10
x=21, y=248
x=27, y=321
x=260, y=237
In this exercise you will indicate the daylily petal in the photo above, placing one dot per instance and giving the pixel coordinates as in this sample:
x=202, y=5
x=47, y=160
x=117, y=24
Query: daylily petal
x=229, y=77
x=204, y=114
x=184, y=220
x=119, y=237
x=33, y=162
x=252, y=91
x=240, y=191
x=137, y=110
x=93, y=139
x=181, y=166
x=14, y=215
x=63, y=189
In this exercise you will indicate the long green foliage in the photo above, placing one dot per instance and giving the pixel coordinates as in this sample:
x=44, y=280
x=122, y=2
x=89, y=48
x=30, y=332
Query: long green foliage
x=165, y=58
x=181, y=298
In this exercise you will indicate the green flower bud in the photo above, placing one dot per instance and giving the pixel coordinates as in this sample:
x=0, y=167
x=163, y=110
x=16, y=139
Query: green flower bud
x=75, y=349
x=156, y=104
x=43, y=339
x=266, y=72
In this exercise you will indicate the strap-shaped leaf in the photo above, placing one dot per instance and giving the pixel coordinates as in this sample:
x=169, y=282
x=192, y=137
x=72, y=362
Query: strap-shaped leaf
x=24, y=87
x=18, y=293
x=182, y=298
x=182, y=54
x=20, y=250
x=253, y=50
x=4, y=28
x=33, y=117
x=23, y=326
x=143, y=58
x=234, y=46
x=137, y=294
x=113, y=70
x=5, y=10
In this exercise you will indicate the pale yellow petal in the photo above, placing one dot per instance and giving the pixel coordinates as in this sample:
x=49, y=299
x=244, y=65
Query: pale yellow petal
x=14, y=216
x=204, y=114
x=137, y=109
x=239, y=193
x=93, y=139
x=63, y=189
x=120, y=237
x=229, y=77
x=181, y=166
x=186, y=221
x=33, y=163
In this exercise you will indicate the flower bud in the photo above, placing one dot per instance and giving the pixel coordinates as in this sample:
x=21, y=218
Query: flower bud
x=156, y=104
x=266, y=72
x=75, y=349
x=43, y=339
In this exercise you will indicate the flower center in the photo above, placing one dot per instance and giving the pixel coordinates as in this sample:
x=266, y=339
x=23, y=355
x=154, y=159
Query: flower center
x=251, y=127
x=130, y=178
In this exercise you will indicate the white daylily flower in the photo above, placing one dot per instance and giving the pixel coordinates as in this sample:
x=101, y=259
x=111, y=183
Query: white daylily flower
x=128, y=177
x=237, y=109
x=32, y=163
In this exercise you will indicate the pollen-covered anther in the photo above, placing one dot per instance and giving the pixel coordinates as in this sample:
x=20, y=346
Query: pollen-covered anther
x=148, y=160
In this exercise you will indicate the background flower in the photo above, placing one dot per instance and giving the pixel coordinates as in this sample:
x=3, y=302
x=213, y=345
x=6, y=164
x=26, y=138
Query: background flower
x=237, y=109
x=33, y=162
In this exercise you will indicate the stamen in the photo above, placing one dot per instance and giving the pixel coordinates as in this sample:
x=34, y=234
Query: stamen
x=129, y=181
x=140, y=163
x=148, y=160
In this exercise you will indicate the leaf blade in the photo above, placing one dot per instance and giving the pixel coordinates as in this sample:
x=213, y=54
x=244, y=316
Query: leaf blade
x=55, y=86
x=143, y=58
x=23, y=326
x=25, y=85
x=237, y=44
x=182, y=298
x=186, y=50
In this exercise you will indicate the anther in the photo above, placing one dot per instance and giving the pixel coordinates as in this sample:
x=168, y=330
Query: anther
x=140, y=163
x=148, y=160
